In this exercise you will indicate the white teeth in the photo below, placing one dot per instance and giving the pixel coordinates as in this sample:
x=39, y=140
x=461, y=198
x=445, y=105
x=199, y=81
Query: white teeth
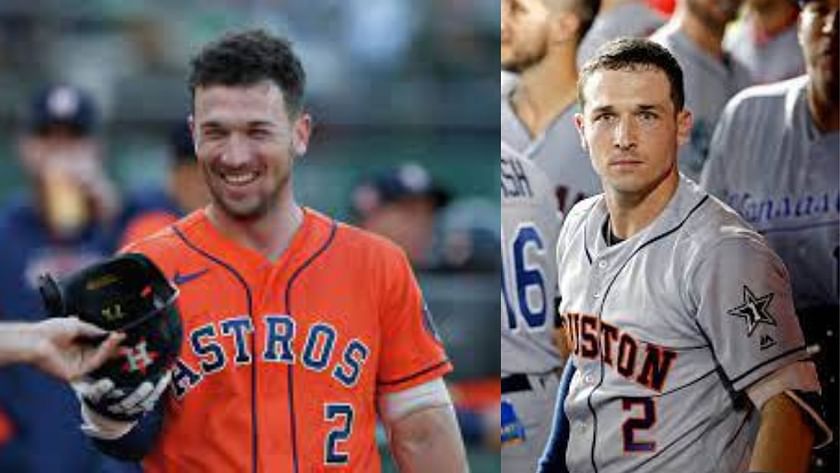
x=239, y=178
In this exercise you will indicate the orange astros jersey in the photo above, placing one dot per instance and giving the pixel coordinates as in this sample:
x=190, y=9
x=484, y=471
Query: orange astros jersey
x=282, y=361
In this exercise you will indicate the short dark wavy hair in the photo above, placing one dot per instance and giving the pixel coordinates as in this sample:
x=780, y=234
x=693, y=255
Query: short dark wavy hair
x=635, y=54
x=246, y=58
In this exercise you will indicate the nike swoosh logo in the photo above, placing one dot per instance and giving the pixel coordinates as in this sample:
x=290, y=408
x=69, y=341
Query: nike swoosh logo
x=181, y=279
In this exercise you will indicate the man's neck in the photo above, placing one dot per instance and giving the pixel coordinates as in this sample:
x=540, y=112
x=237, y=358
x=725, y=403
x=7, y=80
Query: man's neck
x=544, y=91
x=268, y=235
x=631, y=213
x=824, y=111
x=707, y=39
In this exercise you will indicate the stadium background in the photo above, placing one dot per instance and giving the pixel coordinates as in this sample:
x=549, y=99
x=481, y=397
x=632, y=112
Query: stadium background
x=389, y=82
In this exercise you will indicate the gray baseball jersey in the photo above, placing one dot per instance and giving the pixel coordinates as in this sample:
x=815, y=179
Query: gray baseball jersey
x=668, y=329
x=530, y=224
x=634, y=18
x=770, y=164
x=709, y=84
x=769, y=59
x=557, y=152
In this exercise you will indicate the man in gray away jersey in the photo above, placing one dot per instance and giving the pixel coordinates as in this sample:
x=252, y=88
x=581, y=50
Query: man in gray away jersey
x=539, y=42
x=618, y=18
x=531, y=362
x=694, y=35
x=688, y=352
x=774, y=159
x=764, y=41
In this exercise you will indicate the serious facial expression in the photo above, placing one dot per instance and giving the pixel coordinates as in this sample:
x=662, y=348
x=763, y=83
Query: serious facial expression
x=524, y=34
x=818, y=37
x=631, y=129
x=245, y=144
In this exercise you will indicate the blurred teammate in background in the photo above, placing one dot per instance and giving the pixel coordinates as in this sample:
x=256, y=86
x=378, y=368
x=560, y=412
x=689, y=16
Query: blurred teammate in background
x=764, y=41
x=694, y=35
x=539, y=42
x=618, y=18
x=531, y=361
x=69, y=218
x=774, y=159
x=401, y=204
x=185, y=190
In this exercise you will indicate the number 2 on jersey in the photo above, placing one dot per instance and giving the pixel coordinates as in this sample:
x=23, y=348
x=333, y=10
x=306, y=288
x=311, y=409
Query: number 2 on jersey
x=631, y=427
x=333, y=455
x=527, y=280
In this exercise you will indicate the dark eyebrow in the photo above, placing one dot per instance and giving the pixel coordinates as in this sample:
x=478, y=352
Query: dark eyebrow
x=603, y=108
x=251, y=124
x=212, y=125
x=260, y=124
x=648, y=108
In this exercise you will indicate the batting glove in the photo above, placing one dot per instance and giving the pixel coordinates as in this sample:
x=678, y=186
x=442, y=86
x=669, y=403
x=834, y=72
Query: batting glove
x=109, y=412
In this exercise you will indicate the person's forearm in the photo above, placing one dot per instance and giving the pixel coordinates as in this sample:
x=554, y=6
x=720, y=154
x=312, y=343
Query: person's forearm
x=428, y=441
x=16, y=345
x=784, y=440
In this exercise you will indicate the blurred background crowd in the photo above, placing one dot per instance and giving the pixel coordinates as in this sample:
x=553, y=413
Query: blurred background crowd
x=94, y=152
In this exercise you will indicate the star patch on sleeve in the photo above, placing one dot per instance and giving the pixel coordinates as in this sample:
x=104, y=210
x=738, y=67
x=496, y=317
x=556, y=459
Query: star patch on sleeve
x=754, y=310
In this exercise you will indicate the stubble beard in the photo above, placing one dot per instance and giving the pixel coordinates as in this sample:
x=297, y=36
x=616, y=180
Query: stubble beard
x=264, y=205
x=522, y=62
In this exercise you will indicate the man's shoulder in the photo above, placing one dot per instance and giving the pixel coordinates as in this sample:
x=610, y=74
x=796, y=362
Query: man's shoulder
x=166, y=243
x=766, y=100
x=581, y=209
x=716, y=225
x=580, y=212
x=365, y=244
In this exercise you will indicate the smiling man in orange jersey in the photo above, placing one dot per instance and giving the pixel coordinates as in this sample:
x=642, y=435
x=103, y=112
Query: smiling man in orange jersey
x=299, y=331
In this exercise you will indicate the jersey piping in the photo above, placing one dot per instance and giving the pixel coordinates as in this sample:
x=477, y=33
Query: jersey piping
x=289, y=370
x=600, y=312
x=249, y=298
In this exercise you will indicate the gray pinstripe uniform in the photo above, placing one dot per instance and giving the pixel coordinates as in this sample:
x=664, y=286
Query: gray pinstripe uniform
x=770, y=164
x=557, y=152
x=530, y=224
x=669, y=327
x=768, y=59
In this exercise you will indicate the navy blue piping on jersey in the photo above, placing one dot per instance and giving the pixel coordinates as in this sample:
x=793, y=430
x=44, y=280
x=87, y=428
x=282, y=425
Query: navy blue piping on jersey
x=414, y=375
x=690, y=383
x=231, y=270
x=600, y=313
x=290, y=369
x=738, y=430
x=585, y=247
x=766, y=362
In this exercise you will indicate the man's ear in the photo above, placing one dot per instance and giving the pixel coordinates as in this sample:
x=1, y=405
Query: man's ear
x=564, y=27
x=301, y=133
x=580, y=129
x=191, y=123
x=685, y=121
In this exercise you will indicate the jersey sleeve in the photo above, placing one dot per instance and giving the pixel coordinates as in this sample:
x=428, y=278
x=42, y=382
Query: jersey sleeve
x=745, y=310
x=411, y=351
x=145, y=225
